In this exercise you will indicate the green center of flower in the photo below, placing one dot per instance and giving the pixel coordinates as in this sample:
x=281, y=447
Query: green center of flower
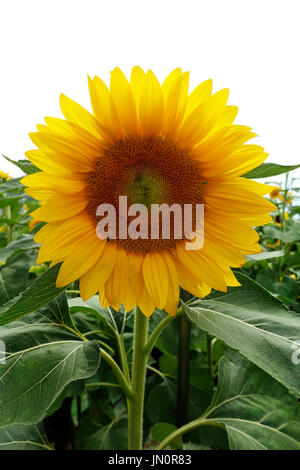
x=145, y=188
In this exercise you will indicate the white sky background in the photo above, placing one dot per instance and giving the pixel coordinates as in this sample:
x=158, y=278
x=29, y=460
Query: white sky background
x=251, y=47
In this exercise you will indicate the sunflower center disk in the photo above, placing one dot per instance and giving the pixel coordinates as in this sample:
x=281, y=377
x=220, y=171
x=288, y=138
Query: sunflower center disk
x=149, y=171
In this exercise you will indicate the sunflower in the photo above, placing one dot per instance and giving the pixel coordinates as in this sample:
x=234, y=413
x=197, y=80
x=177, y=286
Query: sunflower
x=275, y=193
x=153, y=143
x=4, y=176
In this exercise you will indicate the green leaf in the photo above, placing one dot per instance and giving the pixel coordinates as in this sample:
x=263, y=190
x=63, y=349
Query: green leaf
x=251, y=320
x=165, y=392
x=93, y=307
x=255, y=409
x=14, y=276
x=60, y=310
x=32, y=379
x=23, y=437
x=25, y=242
x=265, y=170
x=24, y=165
x=290, y=235
x=35, y=329
x=36, y=296
x=50, y=324
x=113, y=436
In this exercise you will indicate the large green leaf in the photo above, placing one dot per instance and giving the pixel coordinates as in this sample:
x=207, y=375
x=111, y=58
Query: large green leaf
x=51, y=323
x=266, y=170
x=32, y=379
x=92, y=436
x=25, y=242
x=42, y=291
x=92, y=307
x=23, y=437
x=256, y=410
x=251, y=320
x=14, y=276
x=289, y=235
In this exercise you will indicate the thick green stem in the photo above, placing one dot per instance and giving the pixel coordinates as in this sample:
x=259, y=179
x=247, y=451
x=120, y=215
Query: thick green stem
x=156, y=333
x=123, y=356
x=185, y=429
x=136, y=403
x=282, y=225
x=9, y=228
x=183, y=371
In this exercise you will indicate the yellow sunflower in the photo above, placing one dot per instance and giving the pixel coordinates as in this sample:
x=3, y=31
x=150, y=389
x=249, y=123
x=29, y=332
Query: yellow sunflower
x=4, y=176
x=155, y=143
x=275, y=193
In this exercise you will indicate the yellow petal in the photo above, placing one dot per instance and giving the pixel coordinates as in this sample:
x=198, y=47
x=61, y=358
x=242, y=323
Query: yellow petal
x=42, y=235
x=124, y=101
x=94, y=280
x=202, y=268
x=136, y=82
x=40, y=194
x=151, y=105
x=188, y=282
x=85, y=255
x=225, y=195
x=62, y=236
x=225, y=253
x=201, y=93
x=62, y=152
x=75, y=113
x=43, y=162
x=146, y=303
x=155, y=272
x=171, y=305
x=103, y=300
x=105, y=110
x=61, y=207
x=202, y=119
x=78, y=134
x=116, y=285
x=175, y=92
x=135, y=281
x=62, y=185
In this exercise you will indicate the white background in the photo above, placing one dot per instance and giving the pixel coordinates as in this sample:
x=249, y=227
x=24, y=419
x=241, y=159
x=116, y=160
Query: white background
x=252, y=47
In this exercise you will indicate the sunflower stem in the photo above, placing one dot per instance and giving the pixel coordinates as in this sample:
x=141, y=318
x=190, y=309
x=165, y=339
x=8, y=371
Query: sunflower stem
x=118, y=374
x=9, y=228
x=160, y=327
x=136, y=403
